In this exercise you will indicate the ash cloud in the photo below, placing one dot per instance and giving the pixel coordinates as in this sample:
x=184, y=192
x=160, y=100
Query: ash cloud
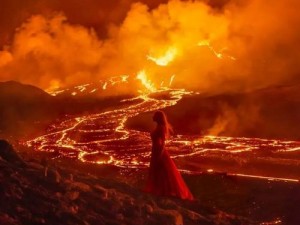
x=60, y=45
x=90, y=13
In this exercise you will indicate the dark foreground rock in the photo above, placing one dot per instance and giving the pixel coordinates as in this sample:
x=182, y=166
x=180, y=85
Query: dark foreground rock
x=44, y=193
x=8, y=154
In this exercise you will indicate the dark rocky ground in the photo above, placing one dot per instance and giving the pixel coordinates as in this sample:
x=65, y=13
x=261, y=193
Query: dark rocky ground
x=36, y=191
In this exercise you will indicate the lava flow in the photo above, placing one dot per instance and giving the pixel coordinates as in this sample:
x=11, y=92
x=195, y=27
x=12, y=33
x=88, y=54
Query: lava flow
x=104, y=139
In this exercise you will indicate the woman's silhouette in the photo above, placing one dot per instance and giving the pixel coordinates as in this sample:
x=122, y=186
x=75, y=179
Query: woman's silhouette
x=164, y=178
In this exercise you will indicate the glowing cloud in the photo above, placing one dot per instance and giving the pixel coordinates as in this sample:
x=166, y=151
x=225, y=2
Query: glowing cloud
x=188, y=38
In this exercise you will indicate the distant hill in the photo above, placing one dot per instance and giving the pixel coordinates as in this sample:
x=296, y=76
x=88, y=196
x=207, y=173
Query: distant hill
x=267, y=113
x=26, y=110
x=11, y=89
x=21, y=107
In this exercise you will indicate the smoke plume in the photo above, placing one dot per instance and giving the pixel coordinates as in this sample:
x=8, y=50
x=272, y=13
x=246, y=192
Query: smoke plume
x=228, y=47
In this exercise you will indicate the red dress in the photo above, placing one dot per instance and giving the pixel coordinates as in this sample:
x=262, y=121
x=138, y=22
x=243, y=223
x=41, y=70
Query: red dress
x=164, y=178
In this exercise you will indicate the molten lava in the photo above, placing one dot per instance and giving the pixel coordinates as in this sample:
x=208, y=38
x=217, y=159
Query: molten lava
x=103, y=138
x=165, y=59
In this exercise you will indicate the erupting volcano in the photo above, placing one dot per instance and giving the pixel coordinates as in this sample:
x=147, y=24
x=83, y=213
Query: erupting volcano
x=79, y=90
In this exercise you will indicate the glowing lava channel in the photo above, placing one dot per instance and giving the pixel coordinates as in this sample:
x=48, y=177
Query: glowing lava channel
x=104, y=139
x=99, y=138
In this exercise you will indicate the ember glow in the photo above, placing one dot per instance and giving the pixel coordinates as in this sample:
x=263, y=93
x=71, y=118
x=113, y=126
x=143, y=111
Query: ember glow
x=104, y=139
x=209, y=45
x=166, y=49
x=230, y=58
x=218, y=54
x=165, y=59
x=142, y=76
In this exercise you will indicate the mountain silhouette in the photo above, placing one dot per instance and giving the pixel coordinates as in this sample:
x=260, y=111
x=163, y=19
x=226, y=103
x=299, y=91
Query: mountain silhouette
x=26, y=110
x=272, y=112
x=10, y=89
x=22, y=106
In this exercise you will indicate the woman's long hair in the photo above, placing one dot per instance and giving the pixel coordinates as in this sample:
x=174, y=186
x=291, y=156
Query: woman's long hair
x=161, y=119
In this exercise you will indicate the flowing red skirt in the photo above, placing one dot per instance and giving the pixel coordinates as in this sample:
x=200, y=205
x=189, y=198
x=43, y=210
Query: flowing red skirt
x=164, y=178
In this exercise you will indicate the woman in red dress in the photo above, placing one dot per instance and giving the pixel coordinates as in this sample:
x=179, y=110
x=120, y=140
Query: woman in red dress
x=164, y=178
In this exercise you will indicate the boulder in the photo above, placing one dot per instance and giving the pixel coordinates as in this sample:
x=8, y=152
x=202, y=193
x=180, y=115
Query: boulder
x=8, y=154
x=169, y=217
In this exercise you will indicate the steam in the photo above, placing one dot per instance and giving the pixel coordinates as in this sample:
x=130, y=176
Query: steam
x=257, y=43
x=234, y=121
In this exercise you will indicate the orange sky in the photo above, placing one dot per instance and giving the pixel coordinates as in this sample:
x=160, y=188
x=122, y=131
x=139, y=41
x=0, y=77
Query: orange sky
x=92, y=13
x=212, y=46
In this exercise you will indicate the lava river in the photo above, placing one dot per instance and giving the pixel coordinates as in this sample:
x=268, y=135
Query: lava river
x=104, y=139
